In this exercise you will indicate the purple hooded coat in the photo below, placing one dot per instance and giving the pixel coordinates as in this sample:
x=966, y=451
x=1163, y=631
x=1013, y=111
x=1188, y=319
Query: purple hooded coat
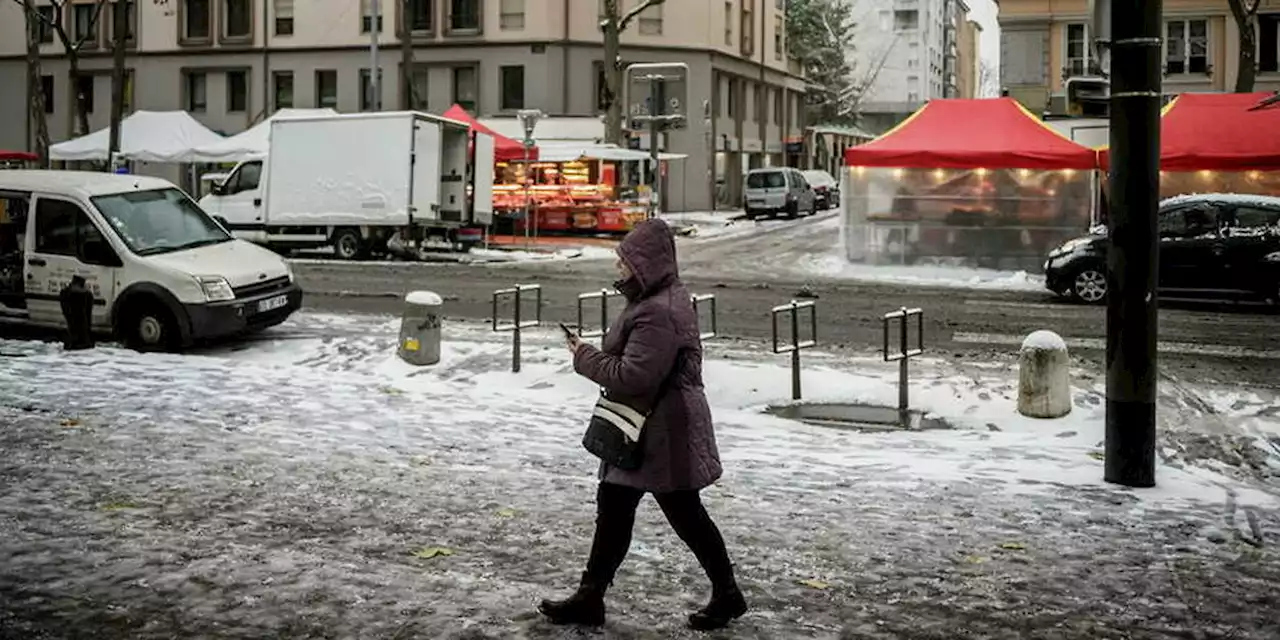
x=640, y=352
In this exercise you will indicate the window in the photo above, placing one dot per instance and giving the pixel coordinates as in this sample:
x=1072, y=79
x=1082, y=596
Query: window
x=464, y=88
x=464, y=15
x=197, y=16
x=650, y=21
x=159, y=221
x=1253, y=220
x=84, y=87
x=237, y=91
x=1186, y=46
x=327, y=88
x=62, y=228
x=197, y=97
x=1077, y=37
x=46, y=90
x=421, y=16
x=369, y=99
x=284, y=17
x=511, y=15
x=84, y=24
x=747, y=27
x=237, y=19
x=366, y=16
x=780, y=5
x=130, y=23
x=906, y=20
x=777, y=41
x=886, y=21
x=43, y=26
x=913, y=96
x=512, y=87
x=282, y=89
x=1269, y=42
x=1193, y=222
x=728, y=23
x=244, y=178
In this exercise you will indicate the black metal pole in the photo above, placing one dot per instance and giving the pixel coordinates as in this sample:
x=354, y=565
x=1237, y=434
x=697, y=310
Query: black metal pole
x=1132, y=257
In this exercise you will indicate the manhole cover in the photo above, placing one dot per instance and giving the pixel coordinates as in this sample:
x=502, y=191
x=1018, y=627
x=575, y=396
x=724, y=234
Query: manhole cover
x=861, y=417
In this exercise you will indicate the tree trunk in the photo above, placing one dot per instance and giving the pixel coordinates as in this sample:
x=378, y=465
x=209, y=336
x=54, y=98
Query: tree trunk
x=406, y=57
x=612, y=73
x=35, y=86
x=119, y=27
x=1246, y=23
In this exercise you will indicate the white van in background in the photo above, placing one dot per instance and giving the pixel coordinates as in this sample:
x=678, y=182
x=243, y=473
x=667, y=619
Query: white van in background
x=353, y=181
x=164, y=274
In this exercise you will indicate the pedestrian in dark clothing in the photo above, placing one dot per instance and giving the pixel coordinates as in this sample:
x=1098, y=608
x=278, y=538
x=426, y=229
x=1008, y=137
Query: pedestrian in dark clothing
x=654, y=349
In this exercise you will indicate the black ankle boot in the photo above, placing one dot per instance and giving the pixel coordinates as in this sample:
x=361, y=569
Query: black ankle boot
x=723, y=609
x=585, y=606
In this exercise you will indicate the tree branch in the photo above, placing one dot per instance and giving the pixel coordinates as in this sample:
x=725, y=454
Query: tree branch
x=627, y=17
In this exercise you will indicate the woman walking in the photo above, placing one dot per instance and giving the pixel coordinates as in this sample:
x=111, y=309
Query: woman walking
x=652, y=357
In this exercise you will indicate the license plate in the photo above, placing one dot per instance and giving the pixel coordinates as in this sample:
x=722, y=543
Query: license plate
x=271, y=304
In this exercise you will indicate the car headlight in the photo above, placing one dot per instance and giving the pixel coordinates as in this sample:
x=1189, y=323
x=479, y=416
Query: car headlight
x=1272, y=257
x=216, y=288
x=288, y=270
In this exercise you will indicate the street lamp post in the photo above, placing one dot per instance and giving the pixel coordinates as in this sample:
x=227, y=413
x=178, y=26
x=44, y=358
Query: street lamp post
x=529, y=120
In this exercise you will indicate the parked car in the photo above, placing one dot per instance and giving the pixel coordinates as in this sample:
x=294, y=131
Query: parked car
x=825, y=187
x=1211, y=246
x=778, y=190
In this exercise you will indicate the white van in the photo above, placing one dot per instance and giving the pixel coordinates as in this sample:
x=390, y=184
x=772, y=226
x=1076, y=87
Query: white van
x=163, y=273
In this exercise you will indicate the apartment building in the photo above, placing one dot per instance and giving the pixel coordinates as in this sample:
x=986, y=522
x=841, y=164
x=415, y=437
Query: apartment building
x=232, y=62
x=1043, y=43
x=968, y=59
x=907, y=53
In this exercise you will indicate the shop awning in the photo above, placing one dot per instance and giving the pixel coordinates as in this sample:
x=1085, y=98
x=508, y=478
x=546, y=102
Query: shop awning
x=1217, y=132
x=17, y=156
x=990, y=133
x=504, y=149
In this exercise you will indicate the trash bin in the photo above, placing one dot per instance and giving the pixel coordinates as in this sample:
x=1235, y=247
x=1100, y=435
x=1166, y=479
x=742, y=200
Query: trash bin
x=420, y=328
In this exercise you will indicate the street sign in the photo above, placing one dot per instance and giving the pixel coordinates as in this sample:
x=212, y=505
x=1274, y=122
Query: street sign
x=672, y=94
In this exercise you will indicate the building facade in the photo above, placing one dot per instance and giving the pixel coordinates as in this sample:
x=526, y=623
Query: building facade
x=907, y=53
x=1044, y=43
x=968, y=59
x=230, y=63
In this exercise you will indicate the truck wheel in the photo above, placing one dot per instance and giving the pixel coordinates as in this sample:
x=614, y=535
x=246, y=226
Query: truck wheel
x=348, y=244
x=148, y=326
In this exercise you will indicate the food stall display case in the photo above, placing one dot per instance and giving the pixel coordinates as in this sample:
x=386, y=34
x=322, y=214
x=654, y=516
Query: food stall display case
x=570, y=193
x=17, y=159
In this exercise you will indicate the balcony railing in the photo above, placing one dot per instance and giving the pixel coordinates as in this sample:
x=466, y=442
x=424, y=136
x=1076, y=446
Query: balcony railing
x=1078, y=68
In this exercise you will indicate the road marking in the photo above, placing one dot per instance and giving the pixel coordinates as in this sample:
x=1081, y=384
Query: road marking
x=1179, y=348
x=1013, y=304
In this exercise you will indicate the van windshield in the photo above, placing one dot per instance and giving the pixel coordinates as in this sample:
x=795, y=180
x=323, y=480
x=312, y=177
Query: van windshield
x=159, y=221
x=766, y=180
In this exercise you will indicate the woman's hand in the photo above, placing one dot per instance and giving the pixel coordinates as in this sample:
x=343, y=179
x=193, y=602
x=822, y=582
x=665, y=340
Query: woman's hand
x=574, y=343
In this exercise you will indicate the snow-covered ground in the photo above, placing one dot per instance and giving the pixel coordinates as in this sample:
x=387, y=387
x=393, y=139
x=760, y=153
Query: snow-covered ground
x=311, y=485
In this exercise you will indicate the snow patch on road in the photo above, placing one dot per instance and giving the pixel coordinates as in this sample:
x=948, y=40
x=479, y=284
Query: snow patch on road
x=834, y=265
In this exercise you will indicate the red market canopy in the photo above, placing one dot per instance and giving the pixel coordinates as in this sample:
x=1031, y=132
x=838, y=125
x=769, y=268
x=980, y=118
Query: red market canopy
x=1217, y=132
x=19, y=156
x=504, y=149
x=987, y=133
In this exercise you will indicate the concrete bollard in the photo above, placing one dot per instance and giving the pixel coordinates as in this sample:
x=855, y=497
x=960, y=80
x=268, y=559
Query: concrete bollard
x=1044, y=385
x=420, y=328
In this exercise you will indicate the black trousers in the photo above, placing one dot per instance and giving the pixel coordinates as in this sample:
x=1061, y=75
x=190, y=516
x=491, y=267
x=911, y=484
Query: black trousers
x=616, y=515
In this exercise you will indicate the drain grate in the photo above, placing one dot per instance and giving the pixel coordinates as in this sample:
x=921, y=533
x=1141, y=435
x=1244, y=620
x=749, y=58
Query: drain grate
x=860, y=417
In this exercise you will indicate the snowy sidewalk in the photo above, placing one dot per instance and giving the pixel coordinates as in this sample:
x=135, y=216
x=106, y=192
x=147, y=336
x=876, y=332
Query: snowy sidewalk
x=314, y=486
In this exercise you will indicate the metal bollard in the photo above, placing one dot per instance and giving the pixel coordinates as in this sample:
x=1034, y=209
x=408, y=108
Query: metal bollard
x=793, y=308
x=698, y=299
x=420, y=328
x=517, y=323
x=603, y=296
x=904, y=353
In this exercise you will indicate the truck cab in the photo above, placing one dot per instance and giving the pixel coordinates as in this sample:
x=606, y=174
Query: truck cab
x=164, y=275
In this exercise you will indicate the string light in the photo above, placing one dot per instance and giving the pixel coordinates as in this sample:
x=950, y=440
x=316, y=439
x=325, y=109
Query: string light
x=939, y=174
x=1068, y=172
x=1023, y=173
x=1205, y=174
x=859, y=170
x=1254, y=175
x=981, y=172
x=897, y=173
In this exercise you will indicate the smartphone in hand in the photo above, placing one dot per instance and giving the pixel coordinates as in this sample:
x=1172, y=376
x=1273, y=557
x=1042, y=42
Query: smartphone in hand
x=568, y=333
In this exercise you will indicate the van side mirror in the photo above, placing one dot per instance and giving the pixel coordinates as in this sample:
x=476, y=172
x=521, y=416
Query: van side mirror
x=98, y=252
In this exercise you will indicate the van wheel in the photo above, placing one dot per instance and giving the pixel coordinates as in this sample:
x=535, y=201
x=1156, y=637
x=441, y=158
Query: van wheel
x=793, y=210
x=349, y=245
x=148, y=326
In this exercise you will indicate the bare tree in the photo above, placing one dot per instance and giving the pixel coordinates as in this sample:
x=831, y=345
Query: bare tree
x=35, y=83
x=119, y=37
x=988, y=80
x=406, y=55
x=72, y=46
x=613, y=24
x=1245, y=13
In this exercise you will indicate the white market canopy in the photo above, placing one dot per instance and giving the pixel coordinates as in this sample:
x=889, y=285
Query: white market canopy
x=255, y=141
x=568, y=152
x=147, y=136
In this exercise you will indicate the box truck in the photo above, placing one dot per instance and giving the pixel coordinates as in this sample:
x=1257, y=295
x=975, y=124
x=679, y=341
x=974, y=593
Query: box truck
x=352, y=182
